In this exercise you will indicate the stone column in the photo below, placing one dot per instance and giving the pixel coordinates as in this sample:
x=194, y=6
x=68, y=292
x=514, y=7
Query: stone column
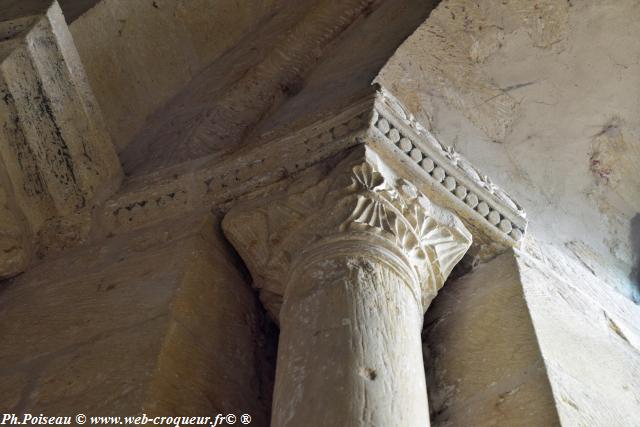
x=348, y=264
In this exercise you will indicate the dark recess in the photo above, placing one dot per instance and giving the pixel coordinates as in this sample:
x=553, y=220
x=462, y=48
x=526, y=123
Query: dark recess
x=72, y=9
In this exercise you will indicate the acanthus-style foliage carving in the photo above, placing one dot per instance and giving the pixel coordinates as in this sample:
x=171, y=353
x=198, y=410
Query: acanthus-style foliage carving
x=357, y=200
x=402, y=212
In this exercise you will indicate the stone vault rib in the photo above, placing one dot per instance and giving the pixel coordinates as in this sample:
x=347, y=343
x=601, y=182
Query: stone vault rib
x=55, y=151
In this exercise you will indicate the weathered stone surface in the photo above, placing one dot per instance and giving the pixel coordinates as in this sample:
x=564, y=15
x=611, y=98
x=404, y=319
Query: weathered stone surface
x=104, y=374
x=54, y=147
x=484, y=365
x=537, y=93
x=140, y=54
x=211, y=181
x=12, y=10
x=14, y=246
x=19, y=161
x=158, y=321
x=309, y=57
x=362, y=199
x=447, y=50
x=350, y=341
x=215, y=354
x=589, y=338
x=378, y=121
x=542, y=109
x=348, y=265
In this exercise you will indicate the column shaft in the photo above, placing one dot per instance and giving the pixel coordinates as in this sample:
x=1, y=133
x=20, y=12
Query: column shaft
x=350, y=349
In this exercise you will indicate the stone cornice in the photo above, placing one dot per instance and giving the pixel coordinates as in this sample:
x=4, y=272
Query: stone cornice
x=496, y=221
x=362, y=205
x=447, y=167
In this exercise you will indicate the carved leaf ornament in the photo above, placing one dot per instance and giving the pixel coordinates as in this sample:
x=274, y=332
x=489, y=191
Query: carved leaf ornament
x=402, y=213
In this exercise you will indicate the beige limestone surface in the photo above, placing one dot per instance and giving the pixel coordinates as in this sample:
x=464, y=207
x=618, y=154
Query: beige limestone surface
x=159, y=321
x=13, y=9
x=140, y=54
x=484, y=365
x=309, y=57
x=348, y=265
x=539, y=95
x=56, y=155
x=589, y=338
x=542, y=95
x=15, y=247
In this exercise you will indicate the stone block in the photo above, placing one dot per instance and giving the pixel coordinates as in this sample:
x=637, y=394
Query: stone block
x=483, y=362
x=160, y=321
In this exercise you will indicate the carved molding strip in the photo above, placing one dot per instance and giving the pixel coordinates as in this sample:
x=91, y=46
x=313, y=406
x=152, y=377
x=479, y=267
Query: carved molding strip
x=272, y=158
x=448, y=168
x=488, y=210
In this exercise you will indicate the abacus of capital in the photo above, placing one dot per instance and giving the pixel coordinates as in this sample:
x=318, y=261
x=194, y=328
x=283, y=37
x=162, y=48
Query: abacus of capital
x=347, y=263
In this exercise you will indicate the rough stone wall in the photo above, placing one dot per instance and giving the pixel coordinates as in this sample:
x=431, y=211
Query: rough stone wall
x=12, y=9
x=219, y=110
x=531, y=339
x=56, y=155
x=15, y=239
x=535, y=93
x=160, y=321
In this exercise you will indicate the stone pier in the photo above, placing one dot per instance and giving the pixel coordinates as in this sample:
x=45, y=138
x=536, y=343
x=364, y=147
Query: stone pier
x=56, y=155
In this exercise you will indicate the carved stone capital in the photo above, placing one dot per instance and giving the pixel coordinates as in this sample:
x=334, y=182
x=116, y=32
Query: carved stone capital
x=361, y=207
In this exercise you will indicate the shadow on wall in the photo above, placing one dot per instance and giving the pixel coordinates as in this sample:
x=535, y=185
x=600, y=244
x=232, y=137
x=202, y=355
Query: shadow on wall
x=72, y=9
x=635, y=248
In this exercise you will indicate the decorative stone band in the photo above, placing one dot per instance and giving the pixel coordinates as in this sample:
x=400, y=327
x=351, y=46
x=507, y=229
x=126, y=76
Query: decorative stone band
x=447, y=167
x=212, y=181
x=363, y=203
x=495, y=220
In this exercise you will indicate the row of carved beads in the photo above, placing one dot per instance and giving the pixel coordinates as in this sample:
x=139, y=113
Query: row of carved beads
x=341, y=130
x=404, y=143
